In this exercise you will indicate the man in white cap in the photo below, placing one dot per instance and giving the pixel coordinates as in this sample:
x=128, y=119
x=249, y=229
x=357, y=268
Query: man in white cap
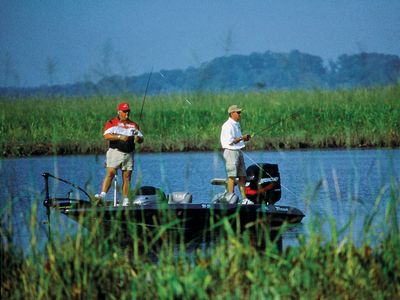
x=122, y=134
x=232, y=142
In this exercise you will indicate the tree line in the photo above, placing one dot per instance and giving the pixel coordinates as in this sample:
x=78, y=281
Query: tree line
x=257, y=71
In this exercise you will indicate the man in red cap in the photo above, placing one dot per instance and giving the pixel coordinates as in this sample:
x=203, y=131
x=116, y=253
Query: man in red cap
x=122, y=134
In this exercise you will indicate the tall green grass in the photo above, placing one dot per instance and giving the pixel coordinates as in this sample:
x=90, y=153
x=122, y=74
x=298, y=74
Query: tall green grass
x=343, y=118
x=152, y=265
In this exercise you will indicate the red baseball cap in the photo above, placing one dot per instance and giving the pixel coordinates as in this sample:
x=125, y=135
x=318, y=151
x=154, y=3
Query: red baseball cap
x=124, y=106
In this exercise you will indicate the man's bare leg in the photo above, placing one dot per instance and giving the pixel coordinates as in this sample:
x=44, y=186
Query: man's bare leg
x=110, y=173
x=126, y=183
x=231, y=184
x=242, y=182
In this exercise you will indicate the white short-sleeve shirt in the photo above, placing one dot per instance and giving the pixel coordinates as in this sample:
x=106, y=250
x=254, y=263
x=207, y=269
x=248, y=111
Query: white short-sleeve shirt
x=231, y=130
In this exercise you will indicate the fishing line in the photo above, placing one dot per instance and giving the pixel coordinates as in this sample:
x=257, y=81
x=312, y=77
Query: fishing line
x=165, y=78
x=289, y=190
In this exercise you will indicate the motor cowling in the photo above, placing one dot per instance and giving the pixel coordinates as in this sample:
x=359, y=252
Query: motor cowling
x=263, y=184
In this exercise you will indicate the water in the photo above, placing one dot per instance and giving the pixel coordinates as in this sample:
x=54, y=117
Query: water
x=340, y=184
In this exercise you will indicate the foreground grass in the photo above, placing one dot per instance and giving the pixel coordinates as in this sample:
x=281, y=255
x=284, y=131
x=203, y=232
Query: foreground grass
x=279, y=120
x=91, y=264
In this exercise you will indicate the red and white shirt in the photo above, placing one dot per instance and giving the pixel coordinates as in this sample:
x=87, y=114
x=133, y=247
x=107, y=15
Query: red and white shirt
x=128, y=128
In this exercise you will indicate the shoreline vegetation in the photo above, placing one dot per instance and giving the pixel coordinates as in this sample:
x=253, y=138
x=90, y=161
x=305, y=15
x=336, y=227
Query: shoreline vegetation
x=354, y=118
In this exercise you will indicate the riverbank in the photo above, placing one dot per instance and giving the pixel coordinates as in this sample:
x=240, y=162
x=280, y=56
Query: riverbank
x=191, y=122
x=49, y=150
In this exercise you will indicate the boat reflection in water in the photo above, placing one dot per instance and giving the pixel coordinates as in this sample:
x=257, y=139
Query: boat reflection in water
x=153, y=212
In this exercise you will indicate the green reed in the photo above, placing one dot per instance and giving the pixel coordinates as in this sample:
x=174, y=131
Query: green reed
x=180, y=122
x=92, y=263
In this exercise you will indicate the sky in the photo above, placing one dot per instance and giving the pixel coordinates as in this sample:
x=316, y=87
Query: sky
x=65, y=41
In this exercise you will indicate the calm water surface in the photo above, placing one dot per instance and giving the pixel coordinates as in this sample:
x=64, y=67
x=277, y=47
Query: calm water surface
x=335, y=183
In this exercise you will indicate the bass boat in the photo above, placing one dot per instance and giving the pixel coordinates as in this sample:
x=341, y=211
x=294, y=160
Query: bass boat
x=151, y=207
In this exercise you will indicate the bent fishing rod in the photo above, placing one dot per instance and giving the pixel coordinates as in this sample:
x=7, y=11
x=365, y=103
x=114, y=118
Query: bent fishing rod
x=145, y=93
x=291, y=116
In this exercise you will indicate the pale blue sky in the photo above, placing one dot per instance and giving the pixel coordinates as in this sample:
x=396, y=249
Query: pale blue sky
x=141, y=35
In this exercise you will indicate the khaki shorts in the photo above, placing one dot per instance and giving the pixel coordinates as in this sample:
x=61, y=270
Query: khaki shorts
x=119, y=160
x=234, y=163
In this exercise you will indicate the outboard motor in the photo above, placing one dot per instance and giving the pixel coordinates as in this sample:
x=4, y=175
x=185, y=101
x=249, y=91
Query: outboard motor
x=149, y=195
x=263, y=183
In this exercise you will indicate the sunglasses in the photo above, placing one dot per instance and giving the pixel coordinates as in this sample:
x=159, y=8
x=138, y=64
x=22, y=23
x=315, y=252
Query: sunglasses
x=126, y=111
x=238, y=112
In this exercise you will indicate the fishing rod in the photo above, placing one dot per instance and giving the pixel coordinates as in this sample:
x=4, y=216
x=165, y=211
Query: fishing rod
x=291, y=116
x=145, y=93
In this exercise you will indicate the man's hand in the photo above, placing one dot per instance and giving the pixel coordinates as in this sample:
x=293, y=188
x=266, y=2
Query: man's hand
x=138, y=139
x=246, y=137
x=123, y=138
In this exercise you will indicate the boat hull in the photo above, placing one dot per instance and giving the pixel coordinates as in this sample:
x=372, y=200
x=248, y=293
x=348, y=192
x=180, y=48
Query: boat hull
x=193, y=217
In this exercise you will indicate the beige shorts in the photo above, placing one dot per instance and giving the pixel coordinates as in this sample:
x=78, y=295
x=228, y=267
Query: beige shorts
x=119, y=160
x=234, y=163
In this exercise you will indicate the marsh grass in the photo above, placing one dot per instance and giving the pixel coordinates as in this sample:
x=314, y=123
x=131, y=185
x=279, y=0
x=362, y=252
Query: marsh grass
x=182, y=122
x=92, y=263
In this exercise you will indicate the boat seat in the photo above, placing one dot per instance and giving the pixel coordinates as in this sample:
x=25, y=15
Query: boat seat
x=179, y=198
